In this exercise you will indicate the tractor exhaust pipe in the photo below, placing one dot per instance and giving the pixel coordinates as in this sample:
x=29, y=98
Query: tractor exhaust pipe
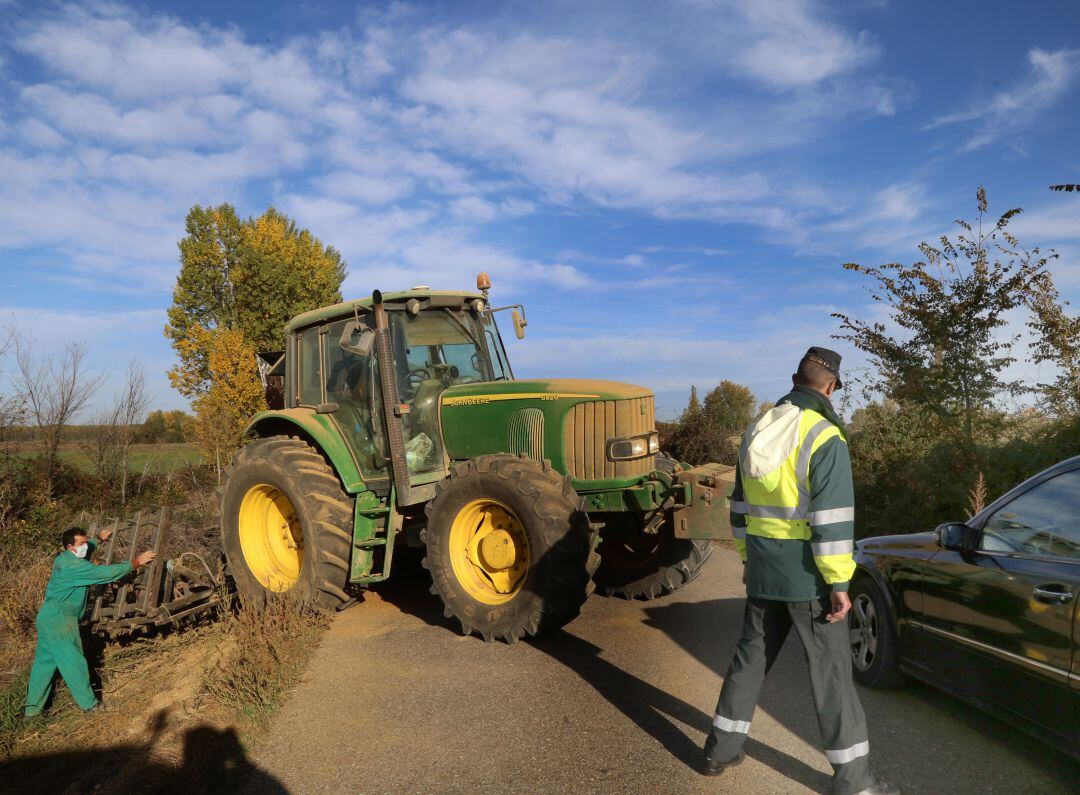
x=393, y=409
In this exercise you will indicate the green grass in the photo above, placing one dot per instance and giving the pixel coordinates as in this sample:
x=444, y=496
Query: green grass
x=158, y=458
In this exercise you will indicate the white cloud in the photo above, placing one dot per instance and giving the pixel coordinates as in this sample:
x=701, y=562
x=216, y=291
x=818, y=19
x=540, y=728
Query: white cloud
x=1049, y=224
x=476, y=122
x=1051, y=76
x=788, y=44
x=891, y=218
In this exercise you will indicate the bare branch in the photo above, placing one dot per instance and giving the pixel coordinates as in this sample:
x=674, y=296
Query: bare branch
x=56, y=389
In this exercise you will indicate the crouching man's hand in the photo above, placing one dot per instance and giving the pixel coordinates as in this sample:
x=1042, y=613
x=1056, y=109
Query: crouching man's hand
x=146, y=557
x=841, y=604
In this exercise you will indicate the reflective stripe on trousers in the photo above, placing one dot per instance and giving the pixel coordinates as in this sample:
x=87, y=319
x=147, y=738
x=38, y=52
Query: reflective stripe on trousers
x=845, y=755
x=728, y=725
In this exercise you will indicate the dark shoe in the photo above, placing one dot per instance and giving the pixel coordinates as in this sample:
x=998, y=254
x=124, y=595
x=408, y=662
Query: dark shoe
x=711, y=768
x=880, y=787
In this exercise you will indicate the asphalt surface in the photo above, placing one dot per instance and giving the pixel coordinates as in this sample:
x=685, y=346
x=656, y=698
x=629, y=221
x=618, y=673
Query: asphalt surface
x=397, y=701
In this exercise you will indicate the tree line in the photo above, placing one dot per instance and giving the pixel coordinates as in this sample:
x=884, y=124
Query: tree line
x=943, y=425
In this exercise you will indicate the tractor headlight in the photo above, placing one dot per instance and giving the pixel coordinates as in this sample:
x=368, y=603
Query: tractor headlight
x=633, y=447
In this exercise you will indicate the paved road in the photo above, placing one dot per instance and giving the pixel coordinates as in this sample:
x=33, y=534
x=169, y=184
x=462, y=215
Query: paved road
x=396, y=701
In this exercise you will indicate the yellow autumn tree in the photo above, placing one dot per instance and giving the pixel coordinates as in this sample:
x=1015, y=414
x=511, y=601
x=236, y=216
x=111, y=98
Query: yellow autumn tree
x=249, y=276
x=235, y=393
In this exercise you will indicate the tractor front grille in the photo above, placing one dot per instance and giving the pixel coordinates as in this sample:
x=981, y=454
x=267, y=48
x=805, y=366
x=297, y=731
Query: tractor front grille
x=588, y=428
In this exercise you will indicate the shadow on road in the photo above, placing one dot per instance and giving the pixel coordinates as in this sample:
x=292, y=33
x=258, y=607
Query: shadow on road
x=652, y=710
x=213, y=762
x=709, y=630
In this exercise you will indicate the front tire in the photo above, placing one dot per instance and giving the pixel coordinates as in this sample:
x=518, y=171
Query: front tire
x=284, y=524
x=509, y=551
x=648, y=566
x=875, y=653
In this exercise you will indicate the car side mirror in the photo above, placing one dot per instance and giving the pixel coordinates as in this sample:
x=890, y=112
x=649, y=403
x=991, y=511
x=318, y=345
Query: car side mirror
x=519, y=324
x=958, y=537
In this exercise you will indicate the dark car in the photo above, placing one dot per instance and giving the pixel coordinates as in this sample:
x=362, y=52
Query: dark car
x=986, y=609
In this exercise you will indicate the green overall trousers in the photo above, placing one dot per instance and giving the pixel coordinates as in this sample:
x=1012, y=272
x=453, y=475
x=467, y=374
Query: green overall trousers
x=59, y=647
x=766, y=624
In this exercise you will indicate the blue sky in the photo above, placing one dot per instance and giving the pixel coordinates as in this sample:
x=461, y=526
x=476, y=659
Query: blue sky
x=670, y=188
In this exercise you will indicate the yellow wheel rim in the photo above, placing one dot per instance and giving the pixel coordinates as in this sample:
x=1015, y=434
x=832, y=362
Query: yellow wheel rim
x=271, y=537
x=489, y=551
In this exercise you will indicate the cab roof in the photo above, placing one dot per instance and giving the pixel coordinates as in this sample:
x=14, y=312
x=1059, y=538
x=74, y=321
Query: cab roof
x=347, y=308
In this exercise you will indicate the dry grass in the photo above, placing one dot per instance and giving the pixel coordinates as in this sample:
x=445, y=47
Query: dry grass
x=265, y=659
x=181, y=706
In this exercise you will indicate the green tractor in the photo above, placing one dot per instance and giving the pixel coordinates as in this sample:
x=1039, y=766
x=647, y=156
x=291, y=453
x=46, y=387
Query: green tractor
x=401, y=422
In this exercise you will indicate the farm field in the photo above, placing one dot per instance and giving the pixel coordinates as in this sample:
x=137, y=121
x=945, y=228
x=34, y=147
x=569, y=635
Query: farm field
x=151, y=458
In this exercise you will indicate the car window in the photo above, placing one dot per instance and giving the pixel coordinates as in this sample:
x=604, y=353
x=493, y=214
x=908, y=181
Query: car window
x=1042, y=521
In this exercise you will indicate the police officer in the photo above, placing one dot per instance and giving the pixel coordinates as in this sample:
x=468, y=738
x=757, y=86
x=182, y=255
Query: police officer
x=59, y=647
x=793, y=519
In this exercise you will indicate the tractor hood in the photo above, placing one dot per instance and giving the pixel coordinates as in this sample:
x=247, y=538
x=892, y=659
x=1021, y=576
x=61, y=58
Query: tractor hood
x=566, y=421
x=574, y=389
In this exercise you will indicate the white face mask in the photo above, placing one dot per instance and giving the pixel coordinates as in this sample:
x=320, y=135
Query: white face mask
x=81, y=550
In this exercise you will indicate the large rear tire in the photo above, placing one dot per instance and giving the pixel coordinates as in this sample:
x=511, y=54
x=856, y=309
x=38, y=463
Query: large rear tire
x=648, y=566
x=285, y=524
x=509, y=551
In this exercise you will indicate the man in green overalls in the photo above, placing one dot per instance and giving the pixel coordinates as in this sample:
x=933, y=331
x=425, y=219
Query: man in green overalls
x=59, y=646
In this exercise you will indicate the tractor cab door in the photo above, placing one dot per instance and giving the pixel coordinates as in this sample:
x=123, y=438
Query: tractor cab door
x=433, y=349
x=352, y=382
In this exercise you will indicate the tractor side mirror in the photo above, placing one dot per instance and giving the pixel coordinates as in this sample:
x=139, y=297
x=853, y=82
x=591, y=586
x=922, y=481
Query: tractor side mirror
x=958, y=537
x=519, y=324
x=358, y=338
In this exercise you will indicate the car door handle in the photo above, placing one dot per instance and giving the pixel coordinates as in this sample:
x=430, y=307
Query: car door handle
x=1059, y=594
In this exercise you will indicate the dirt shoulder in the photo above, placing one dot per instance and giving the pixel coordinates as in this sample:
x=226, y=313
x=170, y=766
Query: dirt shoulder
x=182, y=710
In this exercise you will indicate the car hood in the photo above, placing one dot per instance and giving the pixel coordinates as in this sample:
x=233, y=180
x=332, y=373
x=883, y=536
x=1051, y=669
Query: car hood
x=906, y=541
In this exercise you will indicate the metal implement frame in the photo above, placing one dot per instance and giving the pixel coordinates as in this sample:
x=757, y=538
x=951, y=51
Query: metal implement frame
x=151, y=597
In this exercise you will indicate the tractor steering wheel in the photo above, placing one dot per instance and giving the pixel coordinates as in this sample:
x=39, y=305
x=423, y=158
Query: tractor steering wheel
x=416, y=377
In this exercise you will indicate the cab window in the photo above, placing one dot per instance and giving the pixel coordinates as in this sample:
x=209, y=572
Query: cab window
x=352, y=383
x=309, y=373
x=1043, y=521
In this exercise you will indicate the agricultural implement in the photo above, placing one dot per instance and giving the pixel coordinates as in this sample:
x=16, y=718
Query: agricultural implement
x=164, y=592
x=397, y=419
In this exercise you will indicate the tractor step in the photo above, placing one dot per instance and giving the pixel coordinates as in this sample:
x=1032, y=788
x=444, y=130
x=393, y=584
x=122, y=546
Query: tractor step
x=375, y=526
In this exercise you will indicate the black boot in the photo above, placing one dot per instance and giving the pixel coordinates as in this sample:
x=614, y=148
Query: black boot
x=710, y=768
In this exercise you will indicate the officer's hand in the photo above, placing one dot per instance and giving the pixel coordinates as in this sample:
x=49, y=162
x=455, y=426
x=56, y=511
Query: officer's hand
x=104, y=535
x=841, y=604
x=144, y=558
x=744, y=574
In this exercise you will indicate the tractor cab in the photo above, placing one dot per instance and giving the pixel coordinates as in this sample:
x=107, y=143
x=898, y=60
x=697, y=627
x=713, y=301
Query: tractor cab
x=436, y=340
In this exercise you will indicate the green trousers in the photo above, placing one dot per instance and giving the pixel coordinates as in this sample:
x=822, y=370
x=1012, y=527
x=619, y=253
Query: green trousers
x=766, y=624
x=59, y=648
